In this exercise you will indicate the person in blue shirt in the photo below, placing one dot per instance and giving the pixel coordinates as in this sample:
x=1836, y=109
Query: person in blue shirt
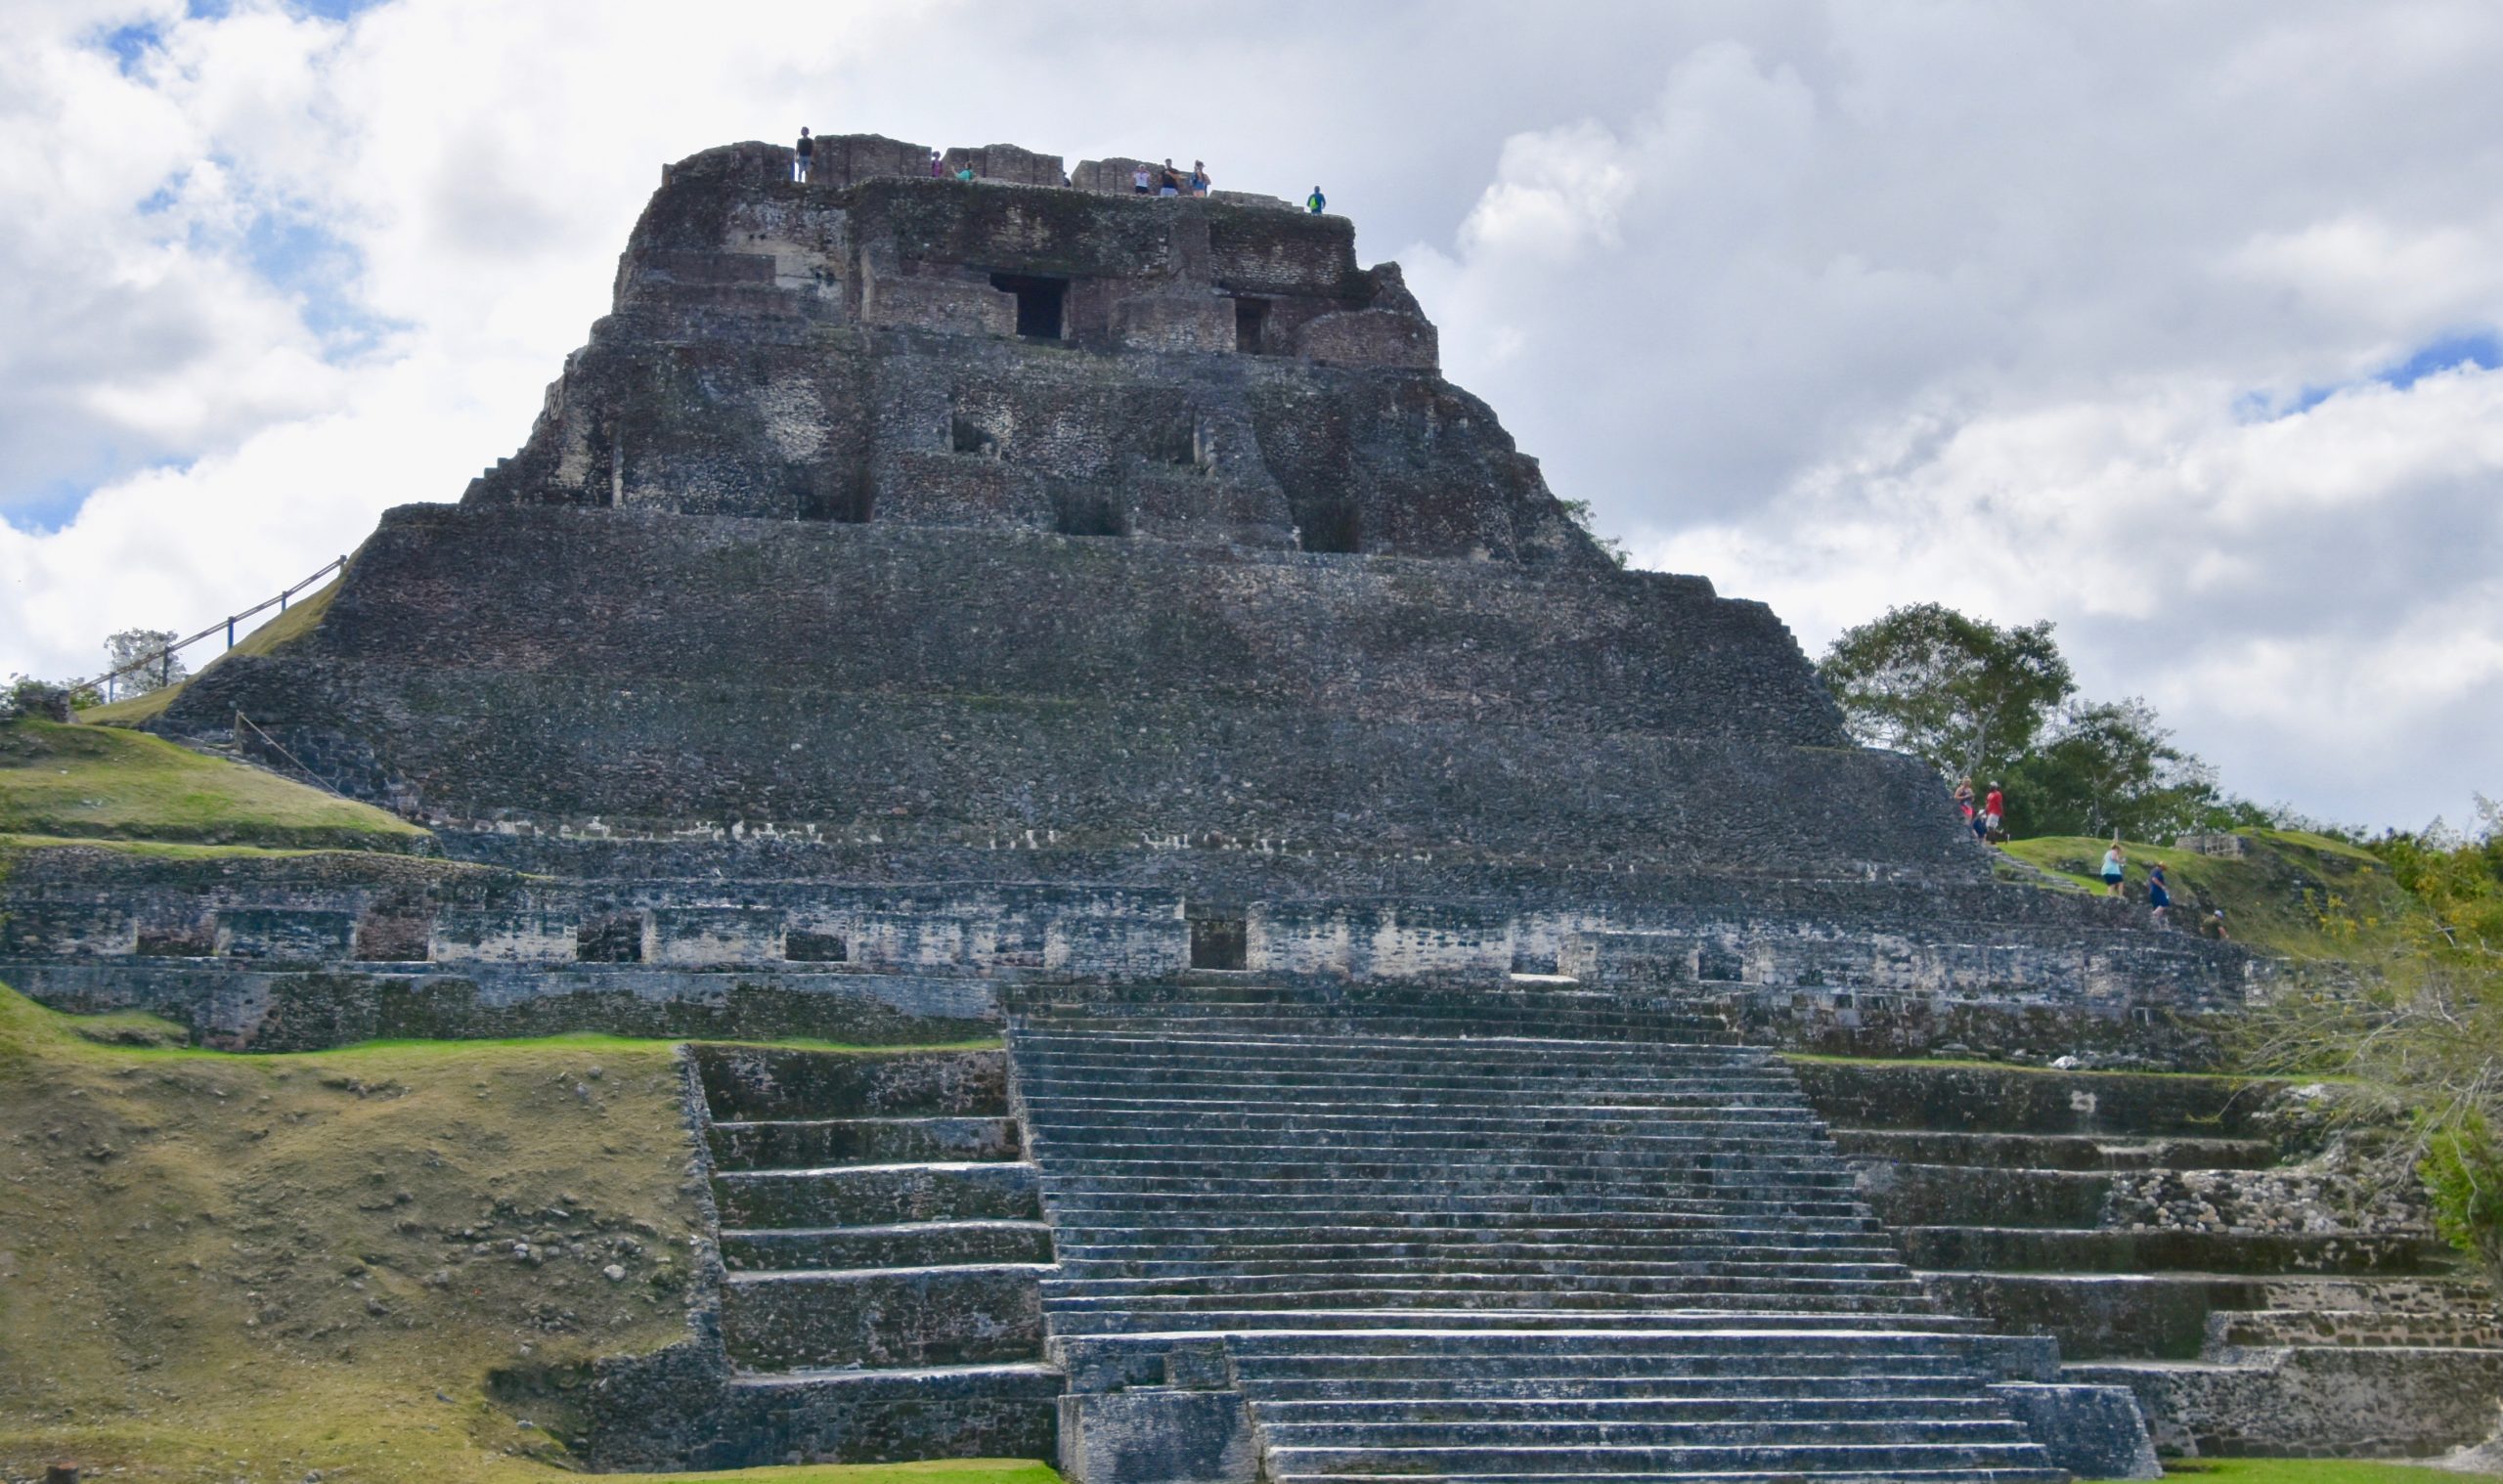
x=1316, y=202
x=2159, y=892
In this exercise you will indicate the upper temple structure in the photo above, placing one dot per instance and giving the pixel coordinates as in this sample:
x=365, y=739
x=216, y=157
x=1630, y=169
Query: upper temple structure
x=1019, y=610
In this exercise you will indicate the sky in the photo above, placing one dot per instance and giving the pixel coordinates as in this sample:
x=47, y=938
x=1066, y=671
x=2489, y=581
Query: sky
x=2178, y=326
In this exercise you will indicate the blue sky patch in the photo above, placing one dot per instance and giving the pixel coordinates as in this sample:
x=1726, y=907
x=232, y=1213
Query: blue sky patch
x=2479, y=348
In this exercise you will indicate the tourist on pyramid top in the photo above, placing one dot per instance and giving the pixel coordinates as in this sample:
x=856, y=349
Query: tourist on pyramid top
x=800, y=157
x=2115, y=866
x=2159, y=892
x=1964, y=798
x=936, y=170
x=1316, y=202
x=1142, y=180
x=1168, y=183
x=1198, y=177
x=967, y=173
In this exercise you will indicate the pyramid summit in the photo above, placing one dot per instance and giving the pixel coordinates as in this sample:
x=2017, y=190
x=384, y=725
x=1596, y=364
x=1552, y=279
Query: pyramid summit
x=951, y=599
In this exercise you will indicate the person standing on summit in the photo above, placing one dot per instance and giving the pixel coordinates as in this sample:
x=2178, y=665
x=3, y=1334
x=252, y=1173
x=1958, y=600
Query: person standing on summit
x=1316, y=202
x=800, y=157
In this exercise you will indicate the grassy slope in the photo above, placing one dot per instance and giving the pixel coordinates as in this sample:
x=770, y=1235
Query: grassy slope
x=223, y=1266
x=215, y=1267
x=103, y=781
x=2299, y=1471
x=2297, y=895
x=296, y=622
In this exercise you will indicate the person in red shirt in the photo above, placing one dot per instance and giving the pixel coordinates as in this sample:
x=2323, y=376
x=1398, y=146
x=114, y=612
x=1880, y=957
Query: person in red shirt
x=1991, y=808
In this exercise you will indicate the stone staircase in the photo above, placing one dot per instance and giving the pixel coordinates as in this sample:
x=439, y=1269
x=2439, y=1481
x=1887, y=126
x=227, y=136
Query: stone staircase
x=882, y=1241
x=2013, y=1192
x=1500, y=1236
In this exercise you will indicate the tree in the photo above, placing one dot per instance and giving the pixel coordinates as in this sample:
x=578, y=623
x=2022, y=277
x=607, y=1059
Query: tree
x=1963, y=694
x=2110, y=766
x=133, y=644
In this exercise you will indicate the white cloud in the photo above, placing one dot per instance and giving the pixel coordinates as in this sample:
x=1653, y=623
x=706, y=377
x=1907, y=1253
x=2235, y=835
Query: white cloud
x=1841, y=305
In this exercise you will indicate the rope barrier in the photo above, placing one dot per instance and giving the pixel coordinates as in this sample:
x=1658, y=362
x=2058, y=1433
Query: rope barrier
x=242, y=721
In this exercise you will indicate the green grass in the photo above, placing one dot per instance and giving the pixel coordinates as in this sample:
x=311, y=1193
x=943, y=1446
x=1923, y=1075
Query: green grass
x=2297, y=895
x=2299, y=1471
x=219, y=1266
x=936, y=1472
x=107, y=783
x=293, y=624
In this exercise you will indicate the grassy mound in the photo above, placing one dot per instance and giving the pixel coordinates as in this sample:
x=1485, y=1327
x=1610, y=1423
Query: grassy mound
x=216, y=1267
x=2299, y=1471
x=2297, y=895
x=94, y=782
x=293, y=624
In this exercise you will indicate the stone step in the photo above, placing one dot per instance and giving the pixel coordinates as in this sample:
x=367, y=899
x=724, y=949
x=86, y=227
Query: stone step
x=1957, y=1195
x=2071, y=1151
x=1460, y=1279
x=1978, y=1427
x=764, y=1083
x=1634, y=1263
x=1638, y=1382
x=2020, y=1250
x=1268, y=1160
x=1456, y=1027
x=878, y=1195
x=1875, y=1458
x=2258, y=1329
x=1389, y=1178
x=1428, y=1309
x=884, y=1318
x=1109, y=1104
x=1641, y=1475
x=1127, y=1312
x=808, y=1143
x=1930, y=1097
x=904, y=1245
x=1366, y=1244
x=1332, y=1202
x=1002, y=1410
x=1164, y=1042
x=1139, y=1077
x=1079, y=1138
x=1668, y=1337
x=1794, y=1401
x=1305, y=1067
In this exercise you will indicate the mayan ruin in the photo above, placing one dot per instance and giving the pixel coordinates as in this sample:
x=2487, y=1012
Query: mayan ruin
x=1189, y=925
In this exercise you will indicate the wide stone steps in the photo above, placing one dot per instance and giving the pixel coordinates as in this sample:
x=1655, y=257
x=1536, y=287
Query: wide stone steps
x=883, y=1251
x=1505, y=1256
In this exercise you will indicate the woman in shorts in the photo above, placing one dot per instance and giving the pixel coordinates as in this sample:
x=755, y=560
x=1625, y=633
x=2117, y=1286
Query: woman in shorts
x=2114, y=861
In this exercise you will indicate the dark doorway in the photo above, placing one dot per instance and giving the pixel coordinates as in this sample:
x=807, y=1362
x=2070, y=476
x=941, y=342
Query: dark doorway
x=1332, y=526
x=1088, y=510
x=613, y=939
x=1220, y=942
x=1039, y=303
x=1251, y=322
